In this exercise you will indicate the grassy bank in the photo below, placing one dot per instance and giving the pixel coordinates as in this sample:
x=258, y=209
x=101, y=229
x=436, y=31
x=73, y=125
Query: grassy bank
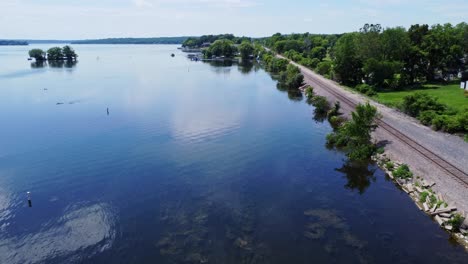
x=450, y=95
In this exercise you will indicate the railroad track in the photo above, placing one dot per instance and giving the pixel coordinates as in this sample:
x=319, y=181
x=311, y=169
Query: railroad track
x=454, y=172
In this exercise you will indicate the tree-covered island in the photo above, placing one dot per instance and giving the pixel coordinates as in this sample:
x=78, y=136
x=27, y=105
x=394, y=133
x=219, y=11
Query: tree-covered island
x=54, y=54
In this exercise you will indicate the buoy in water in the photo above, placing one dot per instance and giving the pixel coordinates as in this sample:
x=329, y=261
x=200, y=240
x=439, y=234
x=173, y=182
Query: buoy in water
x=172, y=55
x=29, y=199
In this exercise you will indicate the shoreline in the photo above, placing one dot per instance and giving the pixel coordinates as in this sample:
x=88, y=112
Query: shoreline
x=443, y=186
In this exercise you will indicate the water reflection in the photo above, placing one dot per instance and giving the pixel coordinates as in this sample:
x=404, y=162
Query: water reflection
x=247, y=67
x=88, y=228
x=53, y=64
x=38, y=64
x=359, y=175
x=294, y=95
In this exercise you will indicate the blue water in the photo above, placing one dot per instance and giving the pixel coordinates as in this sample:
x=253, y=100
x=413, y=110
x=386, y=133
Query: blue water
x=194, y=163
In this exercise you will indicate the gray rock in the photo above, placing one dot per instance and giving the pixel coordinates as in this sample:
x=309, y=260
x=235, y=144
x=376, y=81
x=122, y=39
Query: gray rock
x=446, y=215
x=419, y=189
x=434, y=208
x=445, y=210
x=426, y=207
x=439, y=220
x=448, y=227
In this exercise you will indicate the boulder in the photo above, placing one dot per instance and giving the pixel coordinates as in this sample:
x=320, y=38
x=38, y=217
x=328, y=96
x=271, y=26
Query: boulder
x=449, y=227
x=439, y=220
x=433, y=208
x=426, y=207
x=446, y=215
x=444, y=210
x=419, y=189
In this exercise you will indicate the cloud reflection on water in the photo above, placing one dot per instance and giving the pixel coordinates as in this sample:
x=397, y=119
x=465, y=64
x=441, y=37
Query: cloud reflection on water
x=79, y=229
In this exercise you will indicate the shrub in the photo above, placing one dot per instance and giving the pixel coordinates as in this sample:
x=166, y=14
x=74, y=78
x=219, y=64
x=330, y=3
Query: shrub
x=418, y=102
x=309, y=92
x=403, y=172
x=321, y=104
x=335, y=111
x=324, y=67
x=366, y=89
x=355, y=135
x=336, y=121
x=292, y=77
x=380, y=150
x=426, y=117
x=423, y=196
x=389, y=165
x=433, y=200
x=439, y=122
x=456, y=221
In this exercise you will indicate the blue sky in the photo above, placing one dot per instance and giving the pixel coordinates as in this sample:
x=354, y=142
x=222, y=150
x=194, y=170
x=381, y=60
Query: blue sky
x=81, y=19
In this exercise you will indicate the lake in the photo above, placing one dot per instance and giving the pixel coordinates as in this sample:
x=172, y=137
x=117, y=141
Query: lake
x=132, y=156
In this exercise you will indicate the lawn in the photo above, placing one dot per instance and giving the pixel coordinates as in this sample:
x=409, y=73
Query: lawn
x=450, y=95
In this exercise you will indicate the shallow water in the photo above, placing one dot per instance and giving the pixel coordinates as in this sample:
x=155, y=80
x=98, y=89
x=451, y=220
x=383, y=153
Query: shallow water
x=195, y=163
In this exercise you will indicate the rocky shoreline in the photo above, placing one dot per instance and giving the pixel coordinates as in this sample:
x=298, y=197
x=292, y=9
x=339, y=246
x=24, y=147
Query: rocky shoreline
x=433, y=204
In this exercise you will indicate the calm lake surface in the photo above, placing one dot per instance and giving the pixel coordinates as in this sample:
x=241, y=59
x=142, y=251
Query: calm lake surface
x=194, y=163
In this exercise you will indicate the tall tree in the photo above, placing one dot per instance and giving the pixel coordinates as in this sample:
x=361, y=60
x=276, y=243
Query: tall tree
x=246, y=49
x=348, y=63
x=37, y=54
x=55, y=53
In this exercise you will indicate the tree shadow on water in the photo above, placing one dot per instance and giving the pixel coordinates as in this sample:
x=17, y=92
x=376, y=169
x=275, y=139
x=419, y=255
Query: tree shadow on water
x=54, y=64
x=358, y=175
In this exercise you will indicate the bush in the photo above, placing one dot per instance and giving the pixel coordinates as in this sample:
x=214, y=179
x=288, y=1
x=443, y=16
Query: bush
x=439, y=122
x=324, y=67
x=355, y=135
x=310, y=63
x=403, y=172
x=335, y=111
x=389, y=165
x=309, y=92
x=426, y=117
x=321, y=104
x=380, y=150
x=292, y=78
x=366, y=89
x=456, y=221
x=416, y=103
x=336, y=121
x=423, y=196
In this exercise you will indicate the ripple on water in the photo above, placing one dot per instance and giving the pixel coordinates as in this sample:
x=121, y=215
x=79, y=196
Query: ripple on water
x=83, y=227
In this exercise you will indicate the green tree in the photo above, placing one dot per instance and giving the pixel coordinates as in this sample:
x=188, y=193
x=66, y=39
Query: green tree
x=37, y=54
x=246, y=49
x=55, y=53
x=348, y=65
x=222, y=47
x=69, y=53
x=355, y=135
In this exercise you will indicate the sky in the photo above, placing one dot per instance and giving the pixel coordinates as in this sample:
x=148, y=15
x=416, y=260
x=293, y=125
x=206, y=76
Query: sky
x=89, y=19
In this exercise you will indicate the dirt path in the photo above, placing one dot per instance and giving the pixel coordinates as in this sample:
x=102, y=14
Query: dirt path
x=451, y=148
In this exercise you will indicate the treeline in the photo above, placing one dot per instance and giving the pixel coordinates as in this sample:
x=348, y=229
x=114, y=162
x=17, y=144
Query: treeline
x=54, y=54
x=389, y=58
x=13, y=43
x=161, y=40
x=199, y=42
x=376, y=59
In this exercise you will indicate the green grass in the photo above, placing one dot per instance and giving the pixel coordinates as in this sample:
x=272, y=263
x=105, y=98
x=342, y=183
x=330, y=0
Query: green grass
x=450, y=95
